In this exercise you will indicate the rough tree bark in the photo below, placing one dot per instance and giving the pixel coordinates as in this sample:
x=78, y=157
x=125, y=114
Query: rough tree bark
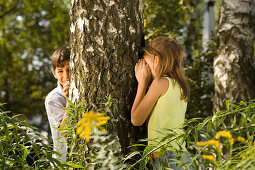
x=234, y=65
x=105, y=36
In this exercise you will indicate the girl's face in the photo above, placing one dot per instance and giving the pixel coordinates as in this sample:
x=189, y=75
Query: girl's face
x=150, y=60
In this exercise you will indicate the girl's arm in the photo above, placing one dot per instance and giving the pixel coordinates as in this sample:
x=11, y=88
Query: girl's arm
x=144, y=104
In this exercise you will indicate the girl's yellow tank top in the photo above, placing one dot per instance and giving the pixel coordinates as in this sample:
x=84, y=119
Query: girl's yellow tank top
x=168, y=113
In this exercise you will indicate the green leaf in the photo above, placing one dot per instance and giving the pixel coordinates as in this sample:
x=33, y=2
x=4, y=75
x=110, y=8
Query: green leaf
x=234, y=106
x=70, y=103
x=79, y=104
x=75, y=165
x=187, y=132
x=131, y=155
x=227, y=104
x=243, y=103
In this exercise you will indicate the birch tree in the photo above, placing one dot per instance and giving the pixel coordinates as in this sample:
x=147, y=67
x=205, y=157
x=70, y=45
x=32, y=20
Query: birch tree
x=105, y=37
x=234, y=65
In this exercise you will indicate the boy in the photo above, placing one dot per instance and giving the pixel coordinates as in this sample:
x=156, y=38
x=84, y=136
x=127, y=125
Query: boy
x=56, y=99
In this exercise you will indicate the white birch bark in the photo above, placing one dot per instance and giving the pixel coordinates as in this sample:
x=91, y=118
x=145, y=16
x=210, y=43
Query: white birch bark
x=234, y=65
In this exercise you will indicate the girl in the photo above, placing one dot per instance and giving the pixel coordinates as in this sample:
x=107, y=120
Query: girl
x=164, y=105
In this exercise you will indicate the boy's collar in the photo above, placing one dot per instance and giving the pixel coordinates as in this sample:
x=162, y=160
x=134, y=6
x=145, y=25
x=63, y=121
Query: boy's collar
x=59, y=85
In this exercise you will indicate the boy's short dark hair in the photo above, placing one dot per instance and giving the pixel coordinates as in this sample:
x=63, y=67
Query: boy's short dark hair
x=59, y=56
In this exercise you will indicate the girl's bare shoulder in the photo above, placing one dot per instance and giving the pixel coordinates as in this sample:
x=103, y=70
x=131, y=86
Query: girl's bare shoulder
x=161, y=84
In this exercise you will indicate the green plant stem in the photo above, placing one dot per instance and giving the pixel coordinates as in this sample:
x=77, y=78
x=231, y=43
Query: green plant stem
x=230, y=113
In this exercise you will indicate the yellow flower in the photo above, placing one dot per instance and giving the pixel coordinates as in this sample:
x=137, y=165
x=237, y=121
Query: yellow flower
x=215, y=143
x=209, y=157
x=224, y=134
x=243, y=140
x=232, y=140
x=90, y=120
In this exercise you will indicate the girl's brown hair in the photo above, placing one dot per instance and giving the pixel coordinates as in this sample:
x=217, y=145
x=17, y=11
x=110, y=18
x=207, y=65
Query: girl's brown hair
x=170, y=61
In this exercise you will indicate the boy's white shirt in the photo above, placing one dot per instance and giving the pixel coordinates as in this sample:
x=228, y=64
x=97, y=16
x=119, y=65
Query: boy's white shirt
x=54, y=101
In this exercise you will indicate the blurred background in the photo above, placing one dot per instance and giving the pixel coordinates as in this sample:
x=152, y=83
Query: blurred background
x=30, y=31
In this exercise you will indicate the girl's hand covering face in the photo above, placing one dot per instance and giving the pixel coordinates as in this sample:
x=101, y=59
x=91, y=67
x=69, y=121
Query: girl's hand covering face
x=142, y=72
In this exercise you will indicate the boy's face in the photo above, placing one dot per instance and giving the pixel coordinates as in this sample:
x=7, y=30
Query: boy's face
x=62, y=73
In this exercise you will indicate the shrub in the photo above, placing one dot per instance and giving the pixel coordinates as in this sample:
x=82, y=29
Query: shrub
x=222, y=141
x=24, y=148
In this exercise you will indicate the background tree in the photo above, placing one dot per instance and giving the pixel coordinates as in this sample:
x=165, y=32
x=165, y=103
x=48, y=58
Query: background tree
x=234, y=63
x=105, y=37
x=29, y=33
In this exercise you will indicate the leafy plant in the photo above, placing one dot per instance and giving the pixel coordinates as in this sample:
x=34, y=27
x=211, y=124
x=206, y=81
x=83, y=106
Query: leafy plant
x=88, y=130
x=24, y=148
x=222, y=141
x=234, y=130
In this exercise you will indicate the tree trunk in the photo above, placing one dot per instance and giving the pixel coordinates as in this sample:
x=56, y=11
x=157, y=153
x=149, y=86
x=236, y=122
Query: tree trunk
x=105, y=36
x=234, y=65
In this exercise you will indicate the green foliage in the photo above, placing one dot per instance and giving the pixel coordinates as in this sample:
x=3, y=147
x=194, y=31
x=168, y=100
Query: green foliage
x=78, y=147
x=200, y=76
x=29, y=33
x=24, y=148
x=101, y=152
x=236, y=147
x=158, y=20
x=239, y=120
